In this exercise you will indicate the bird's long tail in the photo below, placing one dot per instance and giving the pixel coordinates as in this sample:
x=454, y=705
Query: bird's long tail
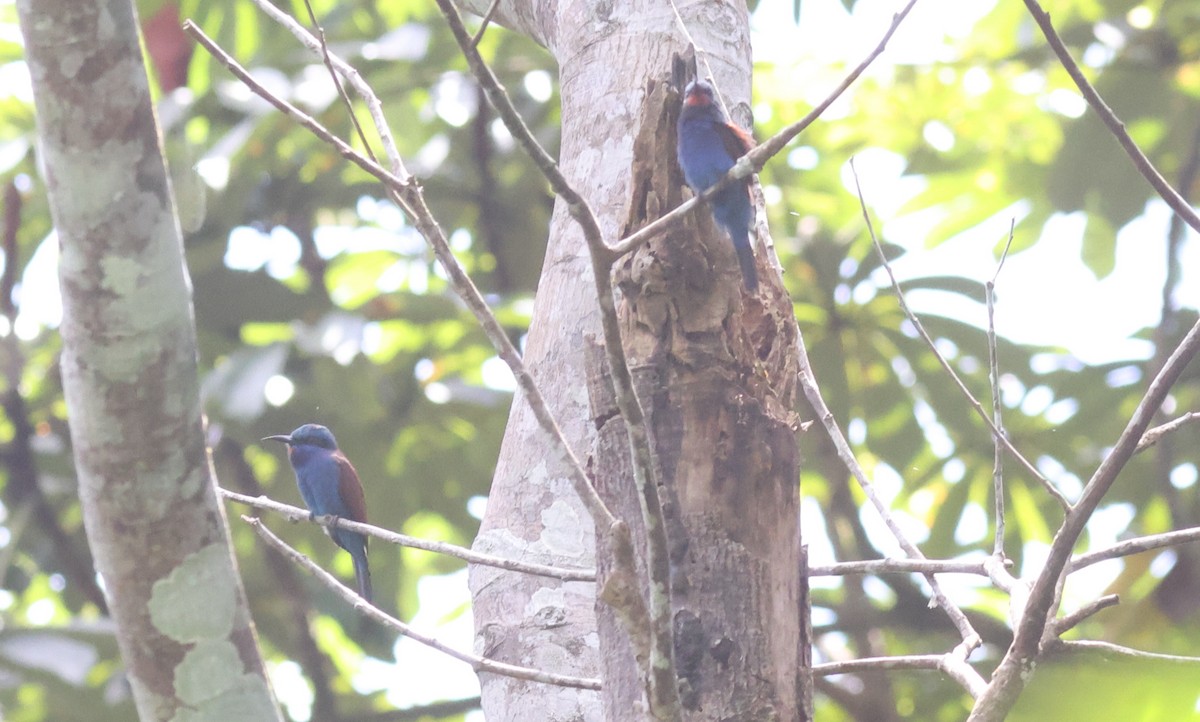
x=362, y=573
x=745, y=254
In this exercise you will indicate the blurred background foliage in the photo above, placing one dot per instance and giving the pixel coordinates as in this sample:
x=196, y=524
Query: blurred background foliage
x=315, y=302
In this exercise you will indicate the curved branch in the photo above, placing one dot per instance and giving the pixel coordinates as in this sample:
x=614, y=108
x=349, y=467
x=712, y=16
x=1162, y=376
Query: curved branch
x=1066, y=623
x=477, y=662
x=956, y=669
x=294, y=514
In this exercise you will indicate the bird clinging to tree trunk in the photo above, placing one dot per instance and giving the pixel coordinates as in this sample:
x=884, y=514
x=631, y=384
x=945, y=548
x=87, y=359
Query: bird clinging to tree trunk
x=708, y=146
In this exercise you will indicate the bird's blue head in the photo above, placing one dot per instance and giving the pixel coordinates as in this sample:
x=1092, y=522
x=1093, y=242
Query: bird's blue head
x=308, y=435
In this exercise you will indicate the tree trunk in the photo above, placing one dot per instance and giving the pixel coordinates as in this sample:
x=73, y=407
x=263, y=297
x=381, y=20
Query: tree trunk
x=720, y=404
x=716, y=374
x=129, y=369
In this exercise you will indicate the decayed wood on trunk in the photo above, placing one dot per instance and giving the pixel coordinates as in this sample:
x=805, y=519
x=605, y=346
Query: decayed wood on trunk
x=715, y=371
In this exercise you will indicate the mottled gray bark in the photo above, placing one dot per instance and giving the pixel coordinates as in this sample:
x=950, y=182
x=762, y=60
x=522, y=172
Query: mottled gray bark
x=129, y=369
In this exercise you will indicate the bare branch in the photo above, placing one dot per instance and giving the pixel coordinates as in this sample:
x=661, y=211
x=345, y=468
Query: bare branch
x=576, y=204
x=478, y=663
x=483, y=26
x=1111, y=121
x=391, y=180
x=956, y=669
x=997, y=433
x=875, y=664
x=900, y=566
x=955, y=666
x=295, y=514
x=1009, y=678
x=997, y=568
x=1136, y=546
x=337, y=83
x=1119, y=651
x=1070, y=621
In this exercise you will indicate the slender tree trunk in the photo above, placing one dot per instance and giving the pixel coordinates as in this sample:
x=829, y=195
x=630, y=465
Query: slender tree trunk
x=129, y=369
x=721, y=417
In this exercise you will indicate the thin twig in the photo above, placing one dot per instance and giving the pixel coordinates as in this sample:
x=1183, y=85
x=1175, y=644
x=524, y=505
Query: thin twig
x=576, y=204
x=899, y=566
x=1070, y=621
x=294, y=514
x=994, y=382
x=753, y=161
x=874, y=664
x=483, y=26
x=1084, y=645
x=1152, y=437
x=478, y=663
x=956, y=669
x=389, y=179
x=465, y=287
x=1111, y=121
x=337, y=83
x=1011, y=675
x=1135, y=546
x=920, y=328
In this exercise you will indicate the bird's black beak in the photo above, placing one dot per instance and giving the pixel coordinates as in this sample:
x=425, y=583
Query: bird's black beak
x=282, y=437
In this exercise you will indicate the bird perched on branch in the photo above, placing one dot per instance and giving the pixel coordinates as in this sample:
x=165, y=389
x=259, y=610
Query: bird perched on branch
x=708, y=146
x=329, y=485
